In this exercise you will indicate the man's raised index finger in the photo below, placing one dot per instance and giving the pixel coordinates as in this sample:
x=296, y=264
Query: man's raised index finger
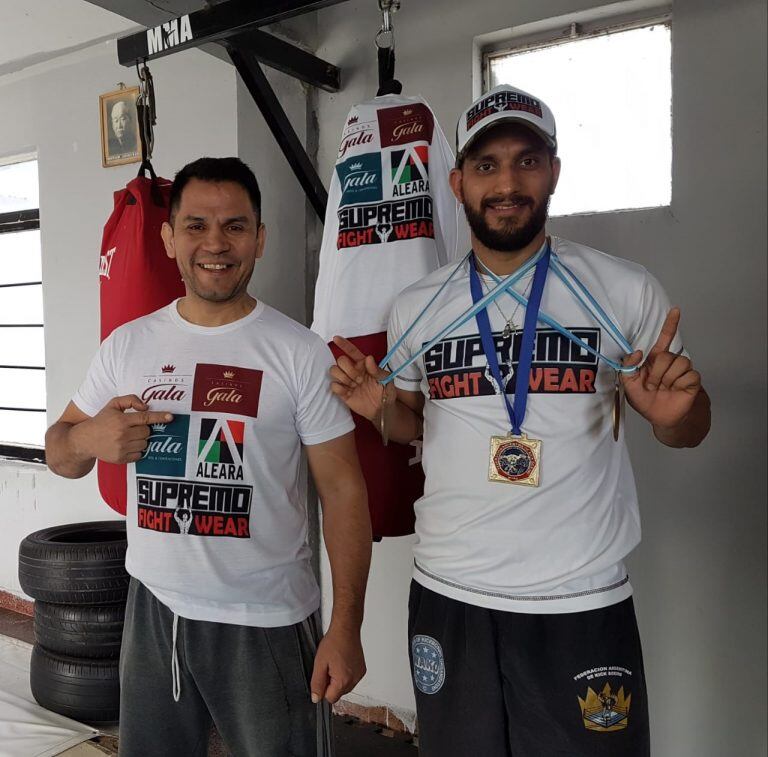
x=352, y=351
x=667, y=333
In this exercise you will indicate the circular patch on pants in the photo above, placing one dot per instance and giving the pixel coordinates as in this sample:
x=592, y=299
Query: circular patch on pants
x=428, y=664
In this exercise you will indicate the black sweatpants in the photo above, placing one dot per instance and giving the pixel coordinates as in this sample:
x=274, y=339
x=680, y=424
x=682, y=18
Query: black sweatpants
x=253, y=683
x=505, y=684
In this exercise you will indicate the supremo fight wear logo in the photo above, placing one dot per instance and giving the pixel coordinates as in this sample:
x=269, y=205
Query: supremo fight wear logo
x=501, y=101
x=457, y=366
x=385, y=222
x=193, y=508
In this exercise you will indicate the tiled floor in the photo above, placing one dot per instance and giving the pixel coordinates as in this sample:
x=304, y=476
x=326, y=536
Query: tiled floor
x=353, y=739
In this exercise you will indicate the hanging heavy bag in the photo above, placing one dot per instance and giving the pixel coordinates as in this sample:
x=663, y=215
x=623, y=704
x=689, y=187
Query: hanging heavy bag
x=136, y=278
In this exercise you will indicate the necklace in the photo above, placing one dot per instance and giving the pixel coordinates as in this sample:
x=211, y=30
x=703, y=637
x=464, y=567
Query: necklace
x=509, y=323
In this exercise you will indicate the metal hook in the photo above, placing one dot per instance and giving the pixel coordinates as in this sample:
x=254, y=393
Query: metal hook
x=387, y=8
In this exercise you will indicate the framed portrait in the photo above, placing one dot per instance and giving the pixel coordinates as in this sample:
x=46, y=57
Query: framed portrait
x=120, y=141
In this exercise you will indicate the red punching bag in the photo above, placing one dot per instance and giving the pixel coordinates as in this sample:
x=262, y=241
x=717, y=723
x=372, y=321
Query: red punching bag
x=136, y=278
x=393, y=474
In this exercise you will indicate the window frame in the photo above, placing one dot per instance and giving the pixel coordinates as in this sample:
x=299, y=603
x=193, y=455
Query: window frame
x=10, y=223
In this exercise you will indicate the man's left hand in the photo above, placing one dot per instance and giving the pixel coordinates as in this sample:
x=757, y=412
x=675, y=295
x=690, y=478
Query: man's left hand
x=663, y=390
x=339, y=665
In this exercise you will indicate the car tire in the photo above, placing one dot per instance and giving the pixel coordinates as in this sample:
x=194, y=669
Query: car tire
x=84, y=690
x=75, y=564
x=80, y=630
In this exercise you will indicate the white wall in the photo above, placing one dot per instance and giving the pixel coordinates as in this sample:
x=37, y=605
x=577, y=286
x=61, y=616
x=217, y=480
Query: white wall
x=699, y=575
x=53, y=108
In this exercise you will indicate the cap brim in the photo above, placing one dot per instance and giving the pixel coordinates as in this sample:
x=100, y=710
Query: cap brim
x=503, y=118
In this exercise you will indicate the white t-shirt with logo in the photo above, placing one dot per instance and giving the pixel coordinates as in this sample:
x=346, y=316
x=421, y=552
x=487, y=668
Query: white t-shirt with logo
x=391, y=216
x=558, y=547
x=216, y=519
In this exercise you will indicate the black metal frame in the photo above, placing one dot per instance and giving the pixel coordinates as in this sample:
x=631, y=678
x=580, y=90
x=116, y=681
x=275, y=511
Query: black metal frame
x=14, y=222
x=235, y=25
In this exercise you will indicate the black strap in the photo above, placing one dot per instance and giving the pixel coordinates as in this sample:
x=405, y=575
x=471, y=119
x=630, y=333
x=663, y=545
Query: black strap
x=154, y=189
x=388, y=85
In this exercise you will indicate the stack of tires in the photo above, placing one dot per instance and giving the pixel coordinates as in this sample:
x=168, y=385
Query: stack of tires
x=76, y=574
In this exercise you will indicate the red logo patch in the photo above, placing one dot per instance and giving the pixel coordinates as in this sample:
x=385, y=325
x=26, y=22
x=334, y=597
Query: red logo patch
x=404, y=124
x=226, y=389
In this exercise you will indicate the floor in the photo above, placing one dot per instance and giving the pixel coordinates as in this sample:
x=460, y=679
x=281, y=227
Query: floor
x=353, y=738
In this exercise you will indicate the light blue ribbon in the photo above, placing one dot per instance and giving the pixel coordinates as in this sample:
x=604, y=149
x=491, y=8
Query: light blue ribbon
x=507, y=285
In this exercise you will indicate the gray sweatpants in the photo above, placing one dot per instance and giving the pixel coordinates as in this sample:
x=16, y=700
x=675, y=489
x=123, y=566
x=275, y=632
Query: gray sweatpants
x=253, y=683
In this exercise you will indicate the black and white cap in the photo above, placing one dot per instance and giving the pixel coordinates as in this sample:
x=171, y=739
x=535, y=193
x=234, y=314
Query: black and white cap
x=505, y=104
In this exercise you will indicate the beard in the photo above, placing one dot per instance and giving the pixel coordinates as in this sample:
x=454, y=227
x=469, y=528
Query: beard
x=509, y=237
x=213, y=294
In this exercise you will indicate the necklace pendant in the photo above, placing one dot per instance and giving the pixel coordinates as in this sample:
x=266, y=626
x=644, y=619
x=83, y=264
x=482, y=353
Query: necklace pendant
x=515, y=460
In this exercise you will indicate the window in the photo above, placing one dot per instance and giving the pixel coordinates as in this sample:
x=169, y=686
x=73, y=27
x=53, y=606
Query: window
x=22, y=348
x=611, y=92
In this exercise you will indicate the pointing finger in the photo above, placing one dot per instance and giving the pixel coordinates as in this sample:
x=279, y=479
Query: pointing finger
x=667, y=333
x=349, y=348
x=147, y=418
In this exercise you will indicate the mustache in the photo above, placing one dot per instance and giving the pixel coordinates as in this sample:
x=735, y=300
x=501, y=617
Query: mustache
x=504, y=199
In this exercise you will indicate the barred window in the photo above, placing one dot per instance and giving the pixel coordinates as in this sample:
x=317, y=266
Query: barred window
x=22, y=345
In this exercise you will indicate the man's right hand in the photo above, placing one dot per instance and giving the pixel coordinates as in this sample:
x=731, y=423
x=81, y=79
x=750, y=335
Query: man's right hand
x=356, y=380
x=116, y=436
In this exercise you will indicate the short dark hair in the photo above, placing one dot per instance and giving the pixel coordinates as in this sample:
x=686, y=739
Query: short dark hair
x=216, y=170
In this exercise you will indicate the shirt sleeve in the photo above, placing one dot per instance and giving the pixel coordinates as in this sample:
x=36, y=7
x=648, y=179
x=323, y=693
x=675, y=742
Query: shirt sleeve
x=410, y=378
x=654, y=307
x=320, y=414
x=100, y=383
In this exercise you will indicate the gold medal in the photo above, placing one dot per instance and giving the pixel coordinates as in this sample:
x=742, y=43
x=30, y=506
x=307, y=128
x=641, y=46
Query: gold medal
x=618, y=406
x=515, y=460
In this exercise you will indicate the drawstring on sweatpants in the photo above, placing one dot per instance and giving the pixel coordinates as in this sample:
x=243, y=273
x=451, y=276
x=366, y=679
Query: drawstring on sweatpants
x=175, y=676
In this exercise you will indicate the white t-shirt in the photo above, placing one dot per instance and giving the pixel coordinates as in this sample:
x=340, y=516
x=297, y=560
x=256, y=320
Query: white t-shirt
x=217, y=522
x=558, y=547
x=391, y=216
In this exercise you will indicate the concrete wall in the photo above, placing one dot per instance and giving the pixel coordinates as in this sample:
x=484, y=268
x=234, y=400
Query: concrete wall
x=53, y=109
x=699, y=575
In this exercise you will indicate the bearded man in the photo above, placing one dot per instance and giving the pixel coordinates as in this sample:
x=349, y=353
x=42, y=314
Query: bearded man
x=521, y=620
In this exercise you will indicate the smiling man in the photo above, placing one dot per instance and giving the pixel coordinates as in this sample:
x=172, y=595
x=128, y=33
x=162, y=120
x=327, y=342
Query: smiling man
x=523, y=638
x=221, y=621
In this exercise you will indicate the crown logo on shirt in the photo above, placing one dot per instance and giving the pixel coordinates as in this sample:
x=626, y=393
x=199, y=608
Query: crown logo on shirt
x=229, y=374
x=158, y=427
x=353, y=120
x=168, y=368
x=408, y=111
x=356, y=166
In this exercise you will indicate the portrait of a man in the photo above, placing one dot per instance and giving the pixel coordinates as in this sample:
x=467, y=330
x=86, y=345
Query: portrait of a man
x=120, y=142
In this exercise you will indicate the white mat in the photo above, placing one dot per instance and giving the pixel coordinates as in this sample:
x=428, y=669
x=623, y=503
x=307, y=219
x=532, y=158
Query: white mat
x=26, y=729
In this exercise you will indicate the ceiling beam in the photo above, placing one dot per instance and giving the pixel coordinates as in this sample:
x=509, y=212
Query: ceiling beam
x=211, y=24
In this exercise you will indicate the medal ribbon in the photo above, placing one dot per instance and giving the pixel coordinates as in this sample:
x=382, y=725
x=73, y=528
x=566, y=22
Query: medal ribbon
x=467, y=315
x=523, y=373
x=507, y=285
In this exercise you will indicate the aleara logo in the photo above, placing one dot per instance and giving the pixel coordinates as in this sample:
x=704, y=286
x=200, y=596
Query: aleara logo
x=168, y=35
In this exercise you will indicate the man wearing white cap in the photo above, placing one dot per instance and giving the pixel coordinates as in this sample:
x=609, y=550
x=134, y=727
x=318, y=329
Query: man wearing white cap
x=523, y=638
